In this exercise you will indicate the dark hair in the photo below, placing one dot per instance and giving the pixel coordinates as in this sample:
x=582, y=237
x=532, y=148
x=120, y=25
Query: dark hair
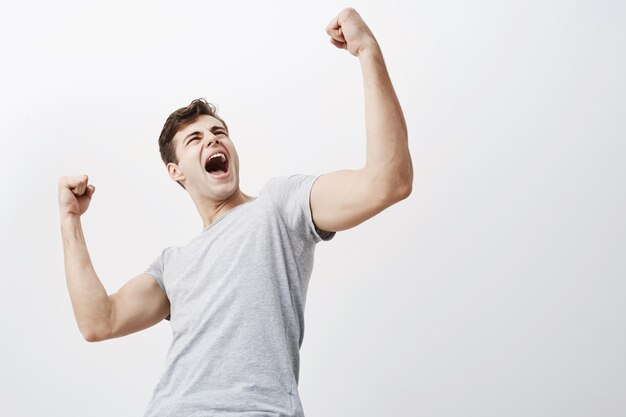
x=180, y=119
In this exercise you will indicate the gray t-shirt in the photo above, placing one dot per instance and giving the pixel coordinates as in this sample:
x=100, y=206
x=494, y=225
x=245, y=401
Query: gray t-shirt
x=237, y=293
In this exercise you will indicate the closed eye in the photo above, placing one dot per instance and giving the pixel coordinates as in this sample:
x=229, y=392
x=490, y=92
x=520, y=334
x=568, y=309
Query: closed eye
x=220, y=132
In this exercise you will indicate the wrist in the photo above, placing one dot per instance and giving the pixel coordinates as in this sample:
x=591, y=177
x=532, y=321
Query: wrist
x=69, y=218
x=369, y=49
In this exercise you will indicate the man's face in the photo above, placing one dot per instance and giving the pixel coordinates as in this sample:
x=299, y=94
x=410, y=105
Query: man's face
x=214, y=178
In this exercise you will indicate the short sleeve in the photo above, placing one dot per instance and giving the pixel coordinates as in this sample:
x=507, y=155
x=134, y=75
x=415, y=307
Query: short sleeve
x=291, y=195
x=156, y=270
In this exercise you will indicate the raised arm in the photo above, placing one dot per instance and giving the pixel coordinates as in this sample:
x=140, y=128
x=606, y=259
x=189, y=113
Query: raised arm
x=139, y=304
x=343, y=199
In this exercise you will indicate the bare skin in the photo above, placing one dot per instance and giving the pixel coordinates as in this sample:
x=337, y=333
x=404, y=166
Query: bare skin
x=339, y=200
x=212, y=197
x=101, y=316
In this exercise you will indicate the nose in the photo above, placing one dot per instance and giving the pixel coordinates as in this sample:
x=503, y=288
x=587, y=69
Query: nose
x=210, y=138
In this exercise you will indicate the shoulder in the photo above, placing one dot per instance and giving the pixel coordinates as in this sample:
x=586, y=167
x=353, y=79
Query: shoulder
x=288, y=182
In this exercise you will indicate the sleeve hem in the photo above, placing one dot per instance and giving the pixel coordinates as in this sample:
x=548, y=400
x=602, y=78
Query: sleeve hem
x=319, y=234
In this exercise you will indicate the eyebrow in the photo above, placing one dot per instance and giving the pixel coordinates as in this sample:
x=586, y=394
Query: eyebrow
x=197, y=132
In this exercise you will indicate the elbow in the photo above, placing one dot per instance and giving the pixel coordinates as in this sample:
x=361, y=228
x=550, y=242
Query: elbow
x=402, y=192
x=397, y=192
x=405, y=191
x=404, y=185
x=397, y=182
x=404, y=180
x=92, y=336
x=95, y=329
x=407, y=187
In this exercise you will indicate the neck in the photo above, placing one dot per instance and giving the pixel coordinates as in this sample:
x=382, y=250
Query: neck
x=211, y=210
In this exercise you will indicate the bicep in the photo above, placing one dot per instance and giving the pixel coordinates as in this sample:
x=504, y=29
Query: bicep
x=343, y=199
x=139, y=304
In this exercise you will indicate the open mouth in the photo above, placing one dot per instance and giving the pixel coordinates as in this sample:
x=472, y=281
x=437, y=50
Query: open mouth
x=217, y=164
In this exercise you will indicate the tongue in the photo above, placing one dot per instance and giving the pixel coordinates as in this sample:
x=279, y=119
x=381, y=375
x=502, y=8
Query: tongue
x=217, y=172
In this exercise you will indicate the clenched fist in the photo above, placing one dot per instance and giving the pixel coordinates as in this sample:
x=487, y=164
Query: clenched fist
x=348, y=31
x=74, y=195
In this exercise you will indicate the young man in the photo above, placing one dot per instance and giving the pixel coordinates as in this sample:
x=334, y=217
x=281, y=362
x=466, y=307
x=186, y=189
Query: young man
x=235, y=294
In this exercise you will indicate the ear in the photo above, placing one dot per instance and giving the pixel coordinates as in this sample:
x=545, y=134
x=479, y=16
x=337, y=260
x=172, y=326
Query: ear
x=174, y=172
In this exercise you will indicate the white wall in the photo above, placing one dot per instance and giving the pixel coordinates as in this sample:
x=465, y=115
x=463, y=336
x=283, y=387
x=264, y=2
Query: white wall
x=497, y=289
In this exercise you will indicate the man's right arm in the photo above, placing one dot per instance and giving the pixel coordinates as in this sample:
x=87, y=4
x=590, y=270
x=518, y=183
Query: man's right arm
x=139, y=304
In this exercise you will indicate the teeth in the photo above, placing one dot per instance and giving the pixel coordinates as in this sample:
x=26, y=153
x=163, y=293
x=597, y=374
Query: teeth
x=216, y=155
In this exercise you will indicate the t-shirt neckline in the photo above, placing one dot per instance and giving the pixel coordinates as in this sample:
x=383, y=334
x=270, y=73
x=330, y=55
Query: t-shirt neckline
x=225, y=214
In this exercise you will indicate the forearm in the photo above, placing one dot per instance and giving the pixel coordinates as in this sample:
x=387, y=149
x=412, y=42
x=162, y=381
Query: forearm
x=388, y=159
x=90, y=301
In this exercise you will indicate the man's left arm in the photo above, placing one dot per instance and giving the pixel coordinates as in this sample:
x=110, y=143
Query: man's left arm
x=343, y=199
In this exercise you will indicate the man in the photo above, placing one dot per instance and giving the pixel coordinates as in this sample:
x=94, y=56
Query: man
x=235, y=294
